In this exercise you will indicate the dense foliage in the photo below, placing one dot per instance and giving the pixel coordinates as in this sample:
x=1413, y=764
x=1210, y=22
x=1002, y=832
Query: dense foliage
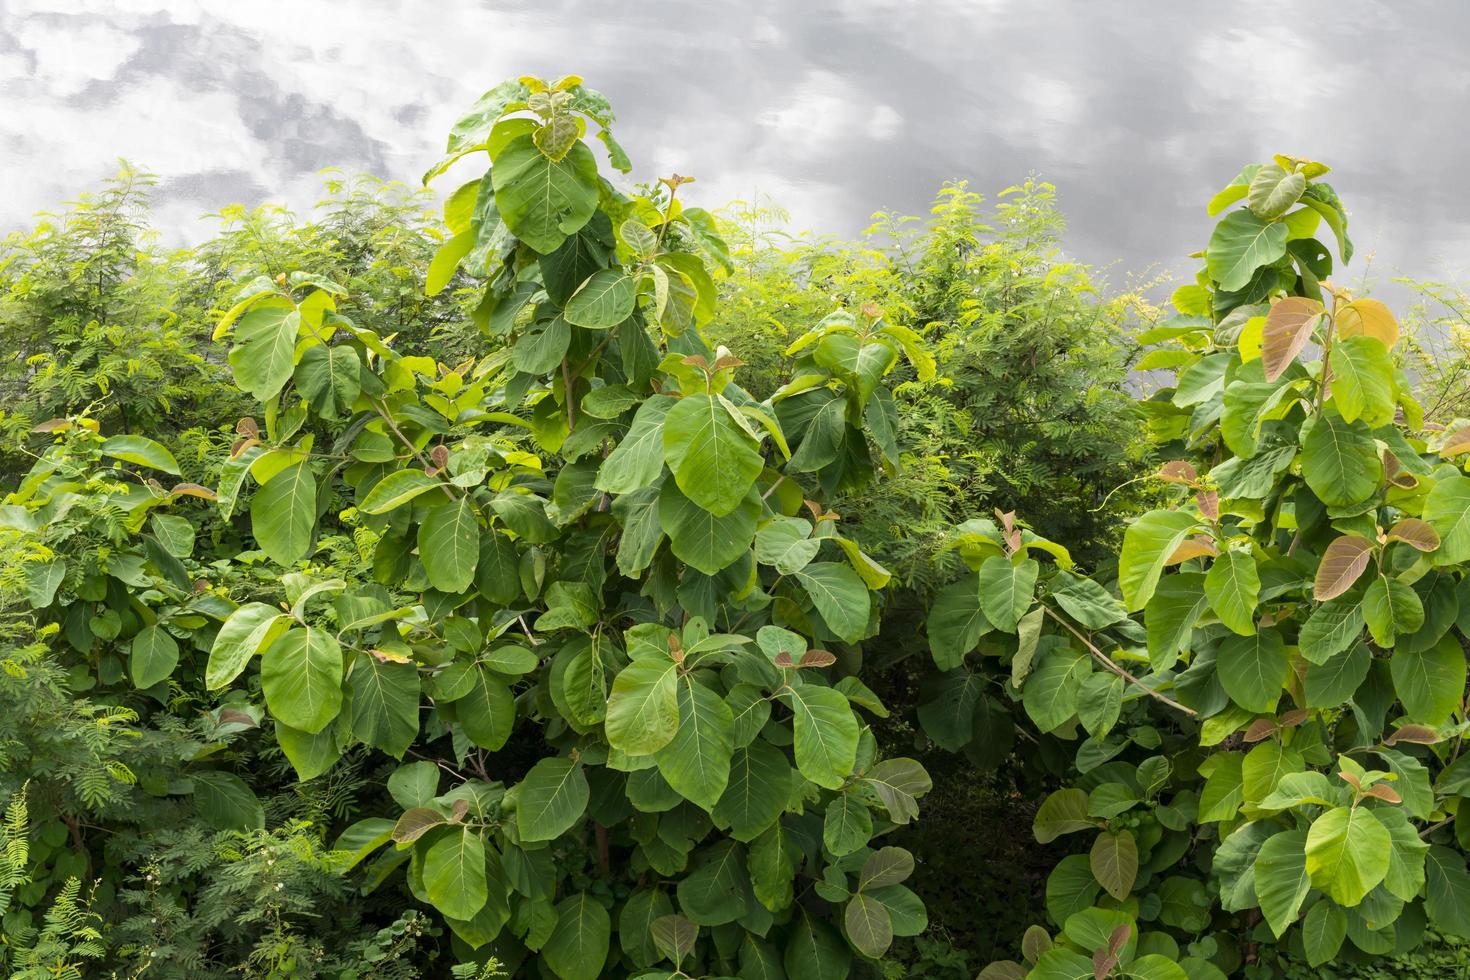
x=507, y=591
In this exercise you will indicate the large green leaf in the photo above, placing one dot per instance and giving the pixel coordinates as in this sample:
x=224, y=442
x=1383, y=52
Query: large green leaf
x=605, y=300
x=814, y=951
x=301, y=675
x=826, y=733
x=541, y=200
x=1170, y=616
x=141, y=451
x=1114, y=859
x=1430, y=683
x=1233, y=587
x=639, y=457
x=1347, y=853
x=1252, y=669
x=1391, y=609
x=1447, y=508
x=1051, y=691
x=1281, y=879
x=487, y=711
x=226, y=802
x=704, y=540
x=715, y=891
x=1447, y=891
x=397, y=489
x=696, y=762
x=1362, y=380
x=283, y=514
x=329, y=379
x=714, y=460
x=1006, y=590
x=759, y=789
x=839, y=596
x=578, y=945
x=264, y=354
x=1241, y=244
x=1323, y=931
x=454, y=873
x=956, y=622
x=1339, y=460
x=243, y=634
x=1332, y=628
x=153, y=655
x=449, y=544
x=550, y=799
x=1147, y=545
x=1273, y=190
x=643, y=710
x=385, y=703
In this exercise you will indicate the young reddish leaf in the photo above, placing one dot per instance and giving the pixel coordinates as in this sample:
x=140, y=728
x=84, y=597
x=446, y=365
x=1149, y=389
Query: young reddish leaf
x=1178, y=471
x=1415, y=533
x=1288, y=327
x=1198, y=546
x=1342, y=563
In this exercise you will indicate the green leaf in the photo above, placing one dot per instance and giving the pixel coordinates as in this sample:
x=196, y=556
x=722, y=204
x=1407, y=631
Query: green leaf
x=1447, y=509
x=449, y=544
x=715, y=891
x=701, y=539
x=869, y=926
x=310, y=755
x=839, y=596
x=1006, y=590
x=153, y=656
x=329, y=379
x=1406, y=865
x=1430, y=683
x=674, y=935
x=1391, y=608
x=283, y=514
x=540, y=351
x=847, y=825
x=1347, y=853
x=1233, y=587
x=826, y=734
x=141, y=451
x=1339, y=461
x=1241, y=244
x=225, y=802
x=956, y=622
x=543, y=201
x=785, y=544
x=441, y=270
x=814, y=951
x=696, y=762
x=1051, y=691
x=899, y=783
x=497, y=573
x=301, y=676
x=550, y=799
x=1170, y=616
x=1273, y=190
x=605, y=300
x=1281, y=876
x=1253, y=669
x=396, y=489
x=1061, y=963
x=487, y=712
x=714, y=460
x=1063, y=812
x=643, y=710
x=1114, y=862
x=1086, y=601
x=1447, y=891
x=1332, y=628
x=265, y=348
x=759, y=789
x=578, y=945
x=1323, y=931
x=385, y=703
x=1147, y=545
x=1363, y=380
x=454, y=873
x=639, y=458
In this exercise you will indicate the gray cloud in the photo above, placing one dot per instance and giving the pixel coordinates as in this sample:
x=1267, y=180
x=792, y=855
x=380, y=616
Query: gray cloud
x=1137, y=111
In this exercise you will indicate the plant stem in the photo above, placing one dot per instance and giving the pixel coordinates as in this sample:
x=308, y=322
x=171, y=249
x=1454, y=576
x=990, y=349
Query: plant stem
x=1107, y=662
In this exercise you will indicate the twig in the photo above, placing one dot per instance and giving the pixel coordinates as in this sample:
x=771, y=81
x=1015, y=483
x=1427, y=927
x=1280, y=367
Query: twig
x=428, y=464
x=1107, y=662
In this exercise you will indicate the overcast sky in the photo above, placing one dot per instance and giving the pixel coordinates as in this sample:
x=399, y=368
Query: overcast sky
x=1137, y=110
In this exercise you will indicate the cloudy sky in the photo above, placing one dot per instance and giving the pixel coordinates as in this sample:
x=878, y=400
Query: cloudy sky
x=1138, y=110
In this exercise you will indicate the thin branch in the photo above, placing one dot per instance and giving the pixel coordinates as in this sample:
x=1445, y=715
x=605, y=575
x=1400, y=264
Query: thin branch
x=1107, y=662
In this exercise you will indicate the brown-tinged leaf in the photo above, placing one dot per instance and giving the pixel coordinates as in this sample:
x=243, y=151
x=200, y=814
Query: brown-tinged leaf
x=1198, y=546
x=1415, y=734
x=440, y=456
x=1260, y=730
x=1351, y=780
x=193, y=490
x=1208, y=502
x=1456, y=442
x=1035, y=942
x=1395, y=473
x=1417, y=534
x=1293, y=717
x=1288, y=327
x=816, y=658
x=783, y=659
x=53, y=425
x=1382, y=791
x=1368, y=318
x=1103, y=963
x=1178, y=471
x=241, y=445
x=246, y=427
x=416, y=823
x=1119, y=938
x=459, y=809
x=234, y=716
x=390, y=657
x=1342, y=563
